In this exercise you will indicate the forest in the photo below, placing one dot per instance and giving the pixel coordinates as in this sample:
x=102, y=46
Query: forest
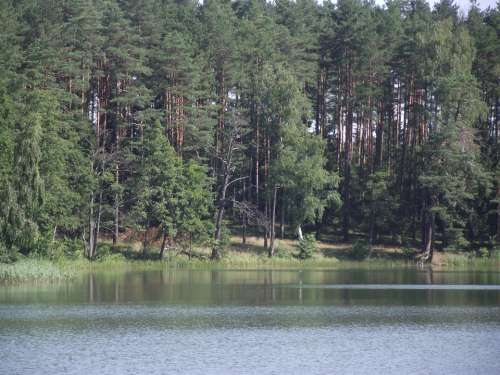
x=178, y=123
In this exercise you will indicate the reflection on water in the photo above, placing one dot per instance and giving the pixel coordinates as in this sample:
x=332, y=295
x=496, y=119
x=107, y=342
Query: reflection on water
x=276, y=287
x=243, y=321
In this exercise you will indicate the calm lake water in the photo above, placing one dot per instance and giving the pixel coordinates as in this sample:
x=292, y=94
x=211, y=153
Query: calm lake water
x=346, y=321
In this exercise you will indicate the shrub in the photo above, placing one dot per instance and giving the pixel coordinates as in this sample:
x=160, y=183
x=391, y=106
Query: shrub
x=496, y=255
x=408, y=252
x=281, y=252
x=483, y=252
x=104, y=250
x=8, y=255
x=222, y=244
x=54, y=249
x=73, y=248
x=112, y=258
x=307, y=247
x=360, y=250
x=44, y=248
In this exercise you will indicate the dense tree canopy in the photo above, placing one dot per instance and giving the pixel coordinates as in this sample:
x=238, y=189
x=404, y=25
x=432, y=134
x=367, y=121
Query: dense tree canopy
x=170, y=119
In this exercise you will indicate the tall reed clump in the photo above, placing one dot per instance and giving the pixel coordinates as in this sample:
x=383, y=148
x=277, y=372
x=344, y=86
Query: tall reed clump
x=32, y=270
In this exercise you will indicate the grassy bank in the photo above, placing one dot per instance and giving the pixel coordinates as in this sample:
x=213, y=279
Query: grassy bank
x=42, y=270
x=33, y=270
x=252, y=254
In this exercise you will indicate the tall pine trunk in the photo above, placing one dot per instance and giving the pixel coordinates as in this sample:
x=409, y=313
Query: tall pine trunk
x=273, y=223
x=116, y=209
x=428, y=230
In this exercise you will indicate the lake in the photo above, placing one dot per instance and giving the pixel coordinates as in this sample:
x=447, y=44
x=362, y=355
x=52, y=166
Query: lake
x=349, y=320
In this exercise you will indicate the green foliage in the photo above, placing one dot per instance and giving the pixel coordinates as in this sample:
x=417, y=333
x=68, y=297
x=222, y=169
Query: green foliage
x=104, y=250
x=495, y=254
x=8, y=254
x=360, y=250
x=221, y=245
x=31, y=270
x=379, y=206
x=449, y=171
x=299, y=167
x=408, y=252
x=307, y=247
x=56, y=249
x=483, y=252
x=115, y=116
x=283, y=253
x=171, y=194
x=299, y=171
x=196, y=203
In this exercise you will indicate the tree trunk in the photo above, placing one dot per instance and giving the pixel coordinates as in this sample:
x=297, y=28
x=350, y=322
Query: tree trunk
x=370, y=239
x=98, y=226
x=163, y=243
x=273, y=223
x=282, y=220
x=266, y=235
x=346, y=218
x=116, y=209
x=299, y=232
x=498, y=211
x=427, y=241
x=218, y=221
x=117, y=170
x=244, y=217
x=321, y=102
x=91, y=242
x=222, y=98
x=267, y=160
x=145, y=240
x=257, y=140
x=190, y=246
x=244, y=230
x=54, y=233
x=218, y=230
x=379, y=141
x=346, y=212
x=318, y=226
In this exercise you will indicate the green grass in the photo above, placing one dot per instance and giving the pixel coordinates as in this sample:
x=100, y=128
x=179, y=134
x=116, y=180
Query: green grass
x=43, y=270
x=249, y=256
x=470, y=260
x=32, y=270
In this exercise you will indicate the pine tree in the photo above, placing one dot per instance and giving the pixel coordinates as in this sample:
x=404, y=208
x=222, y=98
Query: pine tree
x=450, y=165
x=350, y=22
x=170, y=195
x=160, y=183
x=124, y=97
x=218, y=22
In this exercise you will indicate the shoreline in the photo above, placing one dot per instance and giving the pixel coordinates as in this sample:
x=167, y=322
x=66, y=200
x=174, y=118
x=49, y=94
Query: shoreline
x=32, y=269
